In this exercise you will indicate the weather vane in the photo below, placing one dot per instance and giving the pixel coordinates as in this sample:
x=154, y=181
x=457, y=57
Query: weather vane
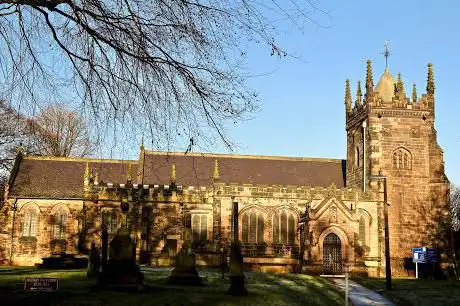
x=386, y=53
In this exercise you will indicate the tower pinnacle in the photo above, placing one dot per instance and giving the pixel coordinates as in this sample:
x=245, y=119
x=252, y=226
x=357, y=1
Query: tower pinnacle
x=430, y=80
x=369, y=80
x=359, y=95
x=347, y=96
x=414, y=94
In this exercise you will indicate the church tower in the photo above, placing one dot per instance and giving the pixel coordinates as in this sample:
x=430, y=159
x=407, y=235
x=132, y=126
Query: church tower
x=389, y=132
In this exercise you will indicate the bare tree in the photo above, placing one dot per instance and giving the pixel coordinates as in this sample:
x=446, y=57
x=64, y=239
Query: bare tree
x=13, y=134
x=58, y=131
x=175, y=69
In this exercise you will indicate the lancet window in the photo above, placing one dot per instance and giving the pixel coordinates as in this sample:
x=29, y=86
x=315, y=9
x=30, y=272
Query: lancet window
x=252, y=227
x=59, y=224
x=200, y=227
x=402, y=159
x=29, y=223
x=284, y=228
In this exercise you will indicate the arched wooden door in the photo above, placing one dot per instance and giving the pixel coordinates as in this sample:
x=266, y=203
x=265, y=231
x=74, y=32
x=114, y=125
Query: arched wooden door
x=332, y=254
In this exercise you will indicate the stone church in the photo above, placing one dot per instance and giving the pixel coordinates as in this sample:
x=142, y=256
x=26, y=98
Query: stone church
x=330, y=211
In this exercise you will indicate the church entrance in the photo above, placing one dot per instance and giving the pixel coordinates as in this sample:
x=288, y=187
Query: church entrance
x=332, y=254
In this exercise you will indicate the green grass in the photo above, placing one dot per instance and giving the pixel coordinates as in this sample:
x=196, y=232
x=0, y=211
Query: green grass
x=264, y=289
x=416, y=291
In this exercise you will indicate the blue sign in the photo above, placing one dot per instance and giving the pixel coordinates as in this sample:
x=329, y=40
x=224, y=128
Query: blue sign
x=424, y=255
x=431, y=255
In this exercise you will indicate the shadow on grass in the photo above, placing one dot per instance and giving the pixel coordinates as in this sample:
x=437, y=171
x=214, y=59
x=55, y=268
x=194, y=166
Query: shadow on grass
x=264, y=289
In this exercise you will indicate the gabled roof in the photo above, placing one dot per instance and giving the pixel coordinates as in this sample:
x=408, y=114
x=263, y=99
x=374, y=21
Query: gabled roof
x=57, y=177
x=197, y=169
x=62, y=177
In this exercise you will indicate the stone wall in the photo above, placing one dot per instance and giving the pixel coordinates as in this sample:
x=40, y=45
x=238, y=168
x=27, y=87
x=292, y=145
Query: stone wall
x=29, y=250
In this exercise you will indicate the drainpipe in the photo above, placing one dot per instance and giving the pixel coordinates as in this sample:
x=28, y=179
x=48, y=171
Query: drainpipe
x=364, y=155
x=14, y=207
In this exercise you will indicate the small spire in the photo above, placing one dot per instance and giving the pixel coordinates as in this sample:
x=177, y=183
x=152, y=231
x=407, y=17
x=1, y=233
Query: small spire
x=359, y=95
x=369, y=79
x=399, y=85
x=142, y=143
x=96, y=177
x=129, y=175
x=173, y=173
x=430, y=80
x=20, y=149
x=87, y=175
x=347, y=96
x=414, y=93
x=216, y=169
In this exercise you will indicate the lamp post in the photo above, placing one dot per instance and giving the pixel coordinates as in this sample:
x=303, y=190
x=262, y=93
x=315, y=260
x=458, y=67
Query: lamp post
x=383, y=178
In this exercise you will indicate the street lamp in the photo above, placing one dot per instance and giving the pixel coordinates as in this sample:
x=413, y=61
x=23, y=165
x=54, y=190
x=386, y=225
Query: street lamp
x=383, y=178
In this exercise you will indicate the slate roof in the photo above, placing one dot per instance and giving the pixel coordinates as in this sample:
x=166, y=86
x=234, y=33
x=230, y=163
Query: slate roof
x=197, y=169
x=63, y=177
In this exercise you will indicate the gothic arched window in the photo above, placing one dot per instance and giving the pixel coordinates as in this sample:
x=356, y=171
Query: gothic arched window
x=200, y=227
x=402, y=159
x=276, y=228
x=59, y=224
x=204, y=228
x=253, y=226
x=284, y=228
x=29, y=223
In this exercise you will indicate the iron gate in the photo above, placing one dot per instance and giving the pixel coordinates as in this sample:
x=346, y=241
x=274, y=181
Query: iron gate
x=332, y=254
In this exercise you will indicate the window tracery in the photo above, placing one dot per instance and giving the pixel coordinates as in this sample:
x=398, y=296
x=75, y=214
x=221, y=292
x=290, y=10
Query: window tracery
x=402, y=159
x=29, y=223
x=252, y=227
x=59, y=223
x=200, y=227
x=284, y=228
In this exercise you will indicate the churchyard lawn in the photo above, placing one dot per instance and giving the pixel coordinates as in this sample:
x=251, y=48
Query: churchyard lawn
x=416, y=292
x=75, y=289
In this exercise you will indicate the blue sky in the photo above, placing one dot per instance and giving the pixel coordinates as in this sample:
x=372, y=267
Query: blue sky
x=302, y=100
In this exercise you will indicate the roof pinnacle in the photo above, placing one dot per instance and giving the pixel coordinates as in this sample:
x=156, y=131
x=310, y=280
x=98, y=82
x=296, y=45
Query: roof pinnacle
x=173, y=173
x=216, y=169
x=129, y=174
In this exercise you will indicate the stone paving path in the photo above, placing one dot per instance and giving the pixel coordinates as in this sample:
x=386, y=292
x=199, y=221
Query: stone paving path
x=360, y=295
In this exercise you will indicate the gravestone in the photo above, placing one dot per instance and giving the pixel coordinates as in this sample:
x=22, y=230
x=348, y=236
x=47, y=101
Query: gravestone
x=121, y=269
x=184, y=272
x=237, y=278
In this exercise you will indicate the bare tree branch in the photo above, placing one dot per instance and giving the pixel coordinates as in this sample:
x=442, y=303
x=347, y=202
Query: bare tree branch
x=172, y=66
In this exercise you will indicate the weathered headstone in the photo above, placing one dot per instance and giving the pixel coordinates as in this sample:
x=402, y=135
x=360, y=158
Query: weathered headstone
x=184, y=272
x=121, y=269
